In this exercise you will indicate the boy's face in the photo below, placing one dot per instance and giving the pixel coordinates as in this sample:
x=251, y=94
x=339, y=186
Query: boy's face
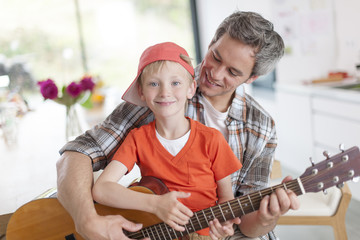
x=166, y=91
x=228, y=64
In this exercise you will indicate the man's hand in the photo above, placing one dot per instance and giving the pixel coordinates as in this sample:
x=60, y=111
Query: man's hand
x=277, y=204
x=271, y=208
x=107, y=227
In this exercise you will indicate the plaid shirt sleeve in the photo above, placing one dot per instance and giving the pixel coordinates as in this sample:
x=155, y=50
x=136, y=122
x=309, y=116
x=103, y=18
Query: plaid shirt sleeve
x=101, y=142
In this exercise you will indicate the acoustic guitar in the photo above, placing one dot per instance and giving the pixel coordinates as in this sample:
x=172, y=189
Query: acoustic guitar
x=47, y=219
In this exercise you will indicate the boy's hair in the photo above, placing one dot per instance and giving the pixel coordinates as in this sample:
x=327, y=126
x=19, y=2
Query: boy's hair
x=156, y=66
x=252, y=29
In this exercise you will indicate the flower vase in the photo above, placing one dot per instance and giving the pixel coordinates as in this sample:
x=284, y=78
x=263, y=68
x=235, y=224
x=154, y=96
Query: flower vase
x=73, y=128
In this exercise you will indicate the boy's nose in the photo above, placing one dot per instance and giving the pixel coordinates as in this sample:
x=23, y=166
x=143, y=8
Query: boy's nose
x=164, y=90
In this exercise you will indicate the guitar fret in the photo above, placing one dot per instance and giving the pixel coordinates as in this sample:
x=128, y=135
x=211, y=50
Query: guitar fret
x=162, y=231
x=142, y=232
x=240, y=206
x=198, y=220
x=222, y=213
x=147, y=232
x=251, y=202
x=260, y=194
x=212, y=213
x=166, y=227
x=205, y=217
x=231, y=209
x=193, y=228
x=186, y=229
x=176, y=236
x=152, y=232
x=285, y=186
x=157, y=233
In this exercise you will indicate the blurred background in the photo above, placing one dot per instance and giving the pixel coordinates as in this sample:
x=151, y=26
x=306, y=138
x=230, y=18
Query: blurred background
x=313, y=94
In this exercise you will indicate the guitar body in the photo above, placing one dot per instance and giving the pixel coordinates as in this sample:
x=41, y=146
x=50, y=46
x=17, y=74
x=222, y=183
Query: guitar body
x=47, y=219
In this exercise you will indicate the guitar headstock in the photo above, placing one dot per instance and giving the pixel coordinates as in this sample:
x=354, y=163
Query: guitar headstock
x=334, y=170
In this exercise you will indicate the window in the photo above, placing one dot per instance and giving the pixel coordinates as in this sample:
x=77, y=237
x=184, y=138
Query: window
x=45, y=37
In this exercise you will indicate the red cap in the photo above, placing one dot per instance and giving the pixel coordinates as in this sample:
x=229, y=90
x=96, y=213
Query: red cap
x=167, y=51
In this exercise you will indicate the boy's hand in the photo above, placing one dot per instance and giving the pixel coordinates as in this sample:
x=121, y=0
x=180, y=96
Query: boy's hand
x=221, y=230
x=173, y=212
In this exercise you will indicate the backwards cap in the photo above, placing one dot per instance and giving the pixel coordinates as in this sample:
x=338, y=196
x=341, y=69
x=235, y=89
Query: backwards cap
x=166, y=51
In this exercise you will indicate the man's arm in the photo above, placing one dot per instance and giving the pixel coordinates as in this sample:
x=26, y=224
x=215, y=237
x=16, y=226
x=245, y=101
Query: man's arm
x=271, y=208
x=74, y=182
x=75, y=179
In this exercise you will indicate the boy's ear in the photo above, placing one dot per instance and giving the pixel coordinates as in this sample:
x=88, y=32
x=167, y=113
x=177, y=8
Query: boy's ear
x=252, y=79
x=192, y=89
x=139, y=89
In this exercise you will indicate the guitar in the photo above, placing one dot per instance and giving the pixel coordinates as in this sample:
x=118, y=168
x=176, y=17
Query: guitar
x=47, y=219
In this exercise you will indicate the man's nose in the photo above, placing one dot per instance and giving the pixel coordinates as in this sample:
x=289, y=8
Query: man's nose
x=218, y=72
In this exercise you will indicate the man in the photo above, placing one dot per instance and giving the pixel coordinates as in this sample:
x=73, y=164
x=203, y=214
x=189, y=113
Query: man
x=244, y=47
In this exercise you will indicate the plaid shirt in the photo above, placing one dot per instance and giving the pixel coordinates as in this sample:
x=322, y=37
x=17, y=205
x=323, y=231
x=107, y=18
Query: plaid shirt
x=252, y=138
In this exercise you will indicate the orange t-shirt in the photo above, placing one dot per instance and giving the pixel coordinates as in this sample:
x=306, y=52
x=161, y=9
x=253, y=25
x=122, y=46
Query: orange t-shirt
x=205, y=159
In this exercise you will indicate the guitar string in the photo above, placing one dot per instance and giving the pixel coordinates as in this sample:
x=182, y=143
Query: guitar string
x=254, y=197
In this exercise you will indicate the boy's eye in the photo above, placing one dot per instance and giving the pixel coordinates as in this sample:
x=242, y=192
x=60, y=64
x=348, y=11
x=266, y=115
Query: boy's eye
x=153, y=84
x=176, y=83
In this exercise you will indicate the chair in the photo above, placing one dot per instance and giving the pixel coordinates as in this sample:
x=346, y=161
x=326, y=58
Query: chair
x=320, y=209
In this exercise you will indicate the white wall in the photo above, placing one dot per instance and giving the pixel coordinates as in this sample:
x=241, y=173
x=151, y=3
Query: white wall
x=212, y=12
x=322, y=35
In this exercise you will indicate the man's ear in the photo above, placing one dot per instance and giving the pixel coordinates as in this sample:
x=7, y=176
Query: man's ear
x=250, y=80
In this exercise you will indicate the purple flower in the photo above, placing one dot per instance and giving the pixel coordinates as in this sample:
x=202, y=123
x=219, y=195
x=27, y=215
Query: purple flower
x=48, y=89
x=87, y=83
x=74, y=89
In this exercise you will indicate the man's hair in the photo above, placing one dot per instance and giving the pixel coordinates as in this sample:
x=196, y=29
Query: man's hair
x=252, y=29
x=156, y=66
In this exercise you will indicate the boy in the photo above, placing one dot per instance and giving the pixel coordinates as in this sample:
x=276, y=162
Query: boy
x=193, y=161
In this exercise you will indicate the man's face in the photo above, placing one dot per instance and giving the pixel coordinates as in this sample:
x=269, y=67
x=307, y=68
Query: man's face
x=228, y=64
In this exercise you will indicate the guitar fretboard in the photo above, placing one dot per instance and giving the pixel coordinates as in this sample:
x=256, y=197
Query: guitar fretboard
x=223, y=212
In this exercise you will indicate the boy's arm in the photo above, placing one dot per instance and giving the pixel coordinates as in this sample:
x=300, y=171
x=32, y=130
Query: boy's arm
x=108, y=192
x=224, y=193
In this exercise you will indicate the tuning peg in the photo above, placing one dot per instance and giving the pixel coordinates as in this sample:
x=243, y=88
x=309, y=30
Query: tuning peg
x=340, y=185
x=342, y=147
x=356, y=179
x=326, y=154
x=312, y=161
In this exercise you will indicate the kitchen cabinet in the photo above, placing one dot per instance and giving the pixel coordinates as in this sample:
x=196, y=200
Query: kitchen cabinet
x=310, y=120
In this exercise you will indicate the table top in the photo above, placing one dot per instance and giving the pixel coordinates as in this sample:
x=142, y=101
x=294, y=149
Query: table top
x=28, y=165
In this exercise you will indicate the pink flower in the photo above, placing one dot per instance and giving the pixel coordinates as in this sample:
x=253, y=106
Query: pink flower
x=87, y=83
x=74, y=89
x=48, y=89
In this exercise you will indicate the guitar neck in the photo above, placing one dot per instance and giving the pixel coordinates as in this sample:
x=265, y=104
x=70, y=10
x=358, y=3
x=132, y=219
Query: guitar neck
x=223, y=212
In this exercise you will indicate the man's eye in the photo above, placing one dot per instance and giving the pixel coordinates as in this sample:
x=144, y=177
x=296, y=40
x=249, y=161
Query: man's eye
x=232, y=73
x=215, y=58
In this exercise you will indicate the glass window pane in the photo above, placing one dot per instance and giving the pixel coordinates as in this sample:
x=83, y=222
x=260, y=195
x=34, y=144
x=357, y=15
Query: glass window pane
x=43, y=36
x=117, y=32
